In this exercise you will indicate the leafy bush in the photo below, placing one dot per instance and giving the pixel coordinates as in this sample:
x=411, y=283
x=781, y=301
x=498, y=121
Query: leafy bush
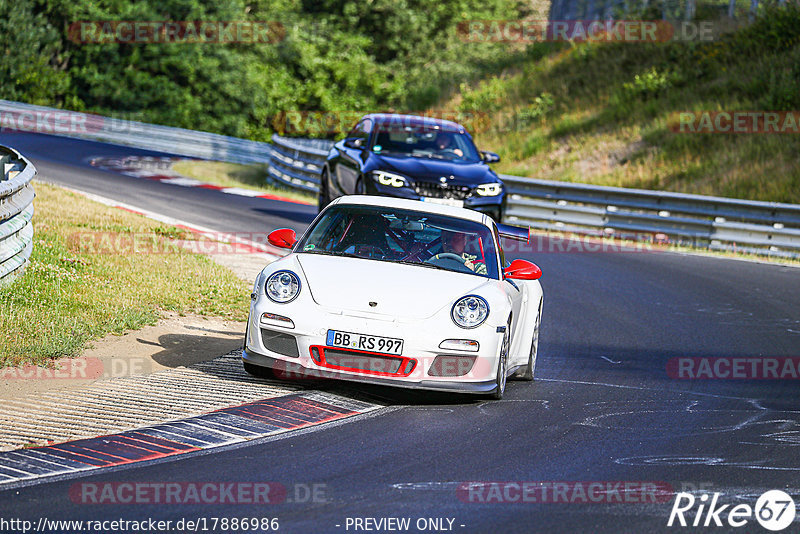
x=649, y=84
x=336, y=55
x=489, y=96
x=537, y=110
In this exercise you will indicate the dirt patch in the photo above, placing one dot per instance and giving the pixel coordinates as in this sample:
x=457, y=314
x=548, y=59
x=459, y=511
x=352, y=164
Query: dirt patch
x=174, y=341
x=245, y=266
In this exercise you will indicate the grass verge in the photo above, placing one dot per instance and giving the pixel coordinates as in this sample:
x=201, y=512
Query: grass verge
x=72, y=293
x=604, y=113
x=236, y=175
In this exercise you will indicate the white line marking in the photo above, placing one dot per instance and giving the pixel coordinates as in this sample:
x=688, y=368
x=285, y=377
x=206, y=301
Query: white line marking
x=185, y=182
x=641, y=388
x=140, y=173
x=241, y=192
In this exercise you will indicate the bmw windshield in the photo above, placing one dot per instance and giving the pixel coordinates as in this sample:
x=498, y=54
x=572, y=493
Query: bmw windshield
x=404, y=236
x=424, y=141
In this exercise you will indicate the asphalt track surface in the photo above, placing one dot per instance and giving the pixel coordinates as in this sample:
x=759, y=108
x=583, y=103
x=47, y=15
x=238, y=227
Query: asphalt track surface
x=603, y=407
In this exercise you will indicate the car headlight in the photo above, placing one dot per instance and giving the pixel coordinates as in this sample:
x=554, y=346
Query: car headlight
x=470, y=311
x=489, y=190
x=390, y=179
x=282, y=286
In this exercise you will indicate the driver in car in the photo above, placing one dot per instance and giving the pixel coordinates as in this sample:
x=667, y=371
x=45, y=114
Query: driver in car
x=445, y=143
x=455, y=243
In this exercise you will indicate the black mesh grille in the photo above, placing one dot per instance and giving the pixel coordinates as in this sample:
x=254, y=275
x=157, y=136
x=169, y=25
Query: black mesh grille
x=433, y=190
x=451, y=365
x=284, y=344
x=365, y=362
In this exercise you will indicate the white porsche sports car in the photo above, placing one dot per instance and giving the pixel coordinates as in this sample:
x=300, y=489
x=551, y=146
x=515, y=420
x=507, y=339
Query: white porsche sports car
x=397, y=292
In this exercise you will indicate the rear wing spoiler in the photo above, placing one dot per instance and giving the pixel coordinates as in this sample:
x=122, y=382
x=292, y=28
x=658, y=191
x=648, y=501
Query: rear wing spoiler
x=514, y=232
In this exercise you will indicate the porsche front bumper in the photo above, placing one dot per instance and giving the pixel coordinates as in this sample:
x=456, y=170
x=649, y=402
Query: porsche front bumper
x=296, y=369
x=301, y=350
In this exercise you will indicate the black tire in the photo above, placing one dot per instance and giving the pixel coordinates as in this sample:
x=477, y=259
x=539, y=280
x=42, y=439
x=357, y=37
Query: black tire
x=258, y=371
x=360, y=189
x=323, y=199
x=500, y=379
x=526, y=373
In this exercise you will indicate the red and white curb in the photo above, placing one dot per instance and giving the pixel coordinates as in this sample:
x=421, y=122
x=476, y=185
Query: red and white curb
x=171, y=412
x=226, y=426
x=160, y=169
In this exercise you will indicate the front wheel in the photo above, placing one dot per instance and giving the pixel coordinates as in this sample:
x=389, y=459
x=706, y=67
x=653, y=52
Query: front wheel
x=526, y=373
x=500, y=379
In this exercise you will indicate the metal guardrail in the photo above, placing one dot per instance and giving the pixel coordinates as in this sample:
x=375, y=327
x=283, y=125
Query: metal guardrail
x=16, y=212
x=712, y=222
x=39, y=119
x=293, y=163
x=696, y=220
x=298, y=163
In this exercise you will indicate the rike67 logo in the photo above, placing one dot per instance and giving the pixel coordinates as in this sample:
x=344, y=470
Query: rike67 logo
x=774, y=510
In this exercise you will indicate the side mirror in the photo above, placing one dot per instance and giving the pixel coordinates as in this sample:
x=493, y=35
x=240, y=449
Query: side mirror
x=282, y=238
x=489, y=157
x=522, y=270
x=354, y=142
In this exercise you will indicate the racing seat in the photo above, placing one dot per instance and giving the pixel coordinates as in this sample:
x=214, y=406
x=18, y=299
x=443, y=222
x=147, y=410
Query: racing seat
x=366, y=237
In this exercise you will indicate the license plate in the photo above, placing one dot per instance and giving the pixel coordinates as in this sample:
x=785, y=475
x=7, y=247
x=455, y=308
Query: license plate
x=350, y=340
x=445, y=201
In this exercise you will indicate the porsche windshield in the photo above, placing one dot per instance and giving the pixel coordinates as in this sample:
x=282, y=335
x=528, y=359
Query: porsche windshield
x=404, y=236
x=425, y=142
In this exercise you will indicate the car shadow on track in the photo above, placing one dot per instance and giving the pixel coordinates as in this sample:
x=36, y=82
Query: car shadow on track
x=394, y=396
x=187, y=349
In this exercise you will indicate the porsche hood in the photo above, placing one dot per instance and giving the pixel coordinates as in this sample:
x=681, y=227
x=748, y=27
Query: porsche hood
x=384, y=288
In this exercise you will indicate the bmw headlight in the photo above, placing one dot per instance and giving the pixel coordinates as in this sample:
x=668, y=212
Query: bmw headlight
x=489, y=190
x=282, y=286
x=390, y=179
x=470, y=311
